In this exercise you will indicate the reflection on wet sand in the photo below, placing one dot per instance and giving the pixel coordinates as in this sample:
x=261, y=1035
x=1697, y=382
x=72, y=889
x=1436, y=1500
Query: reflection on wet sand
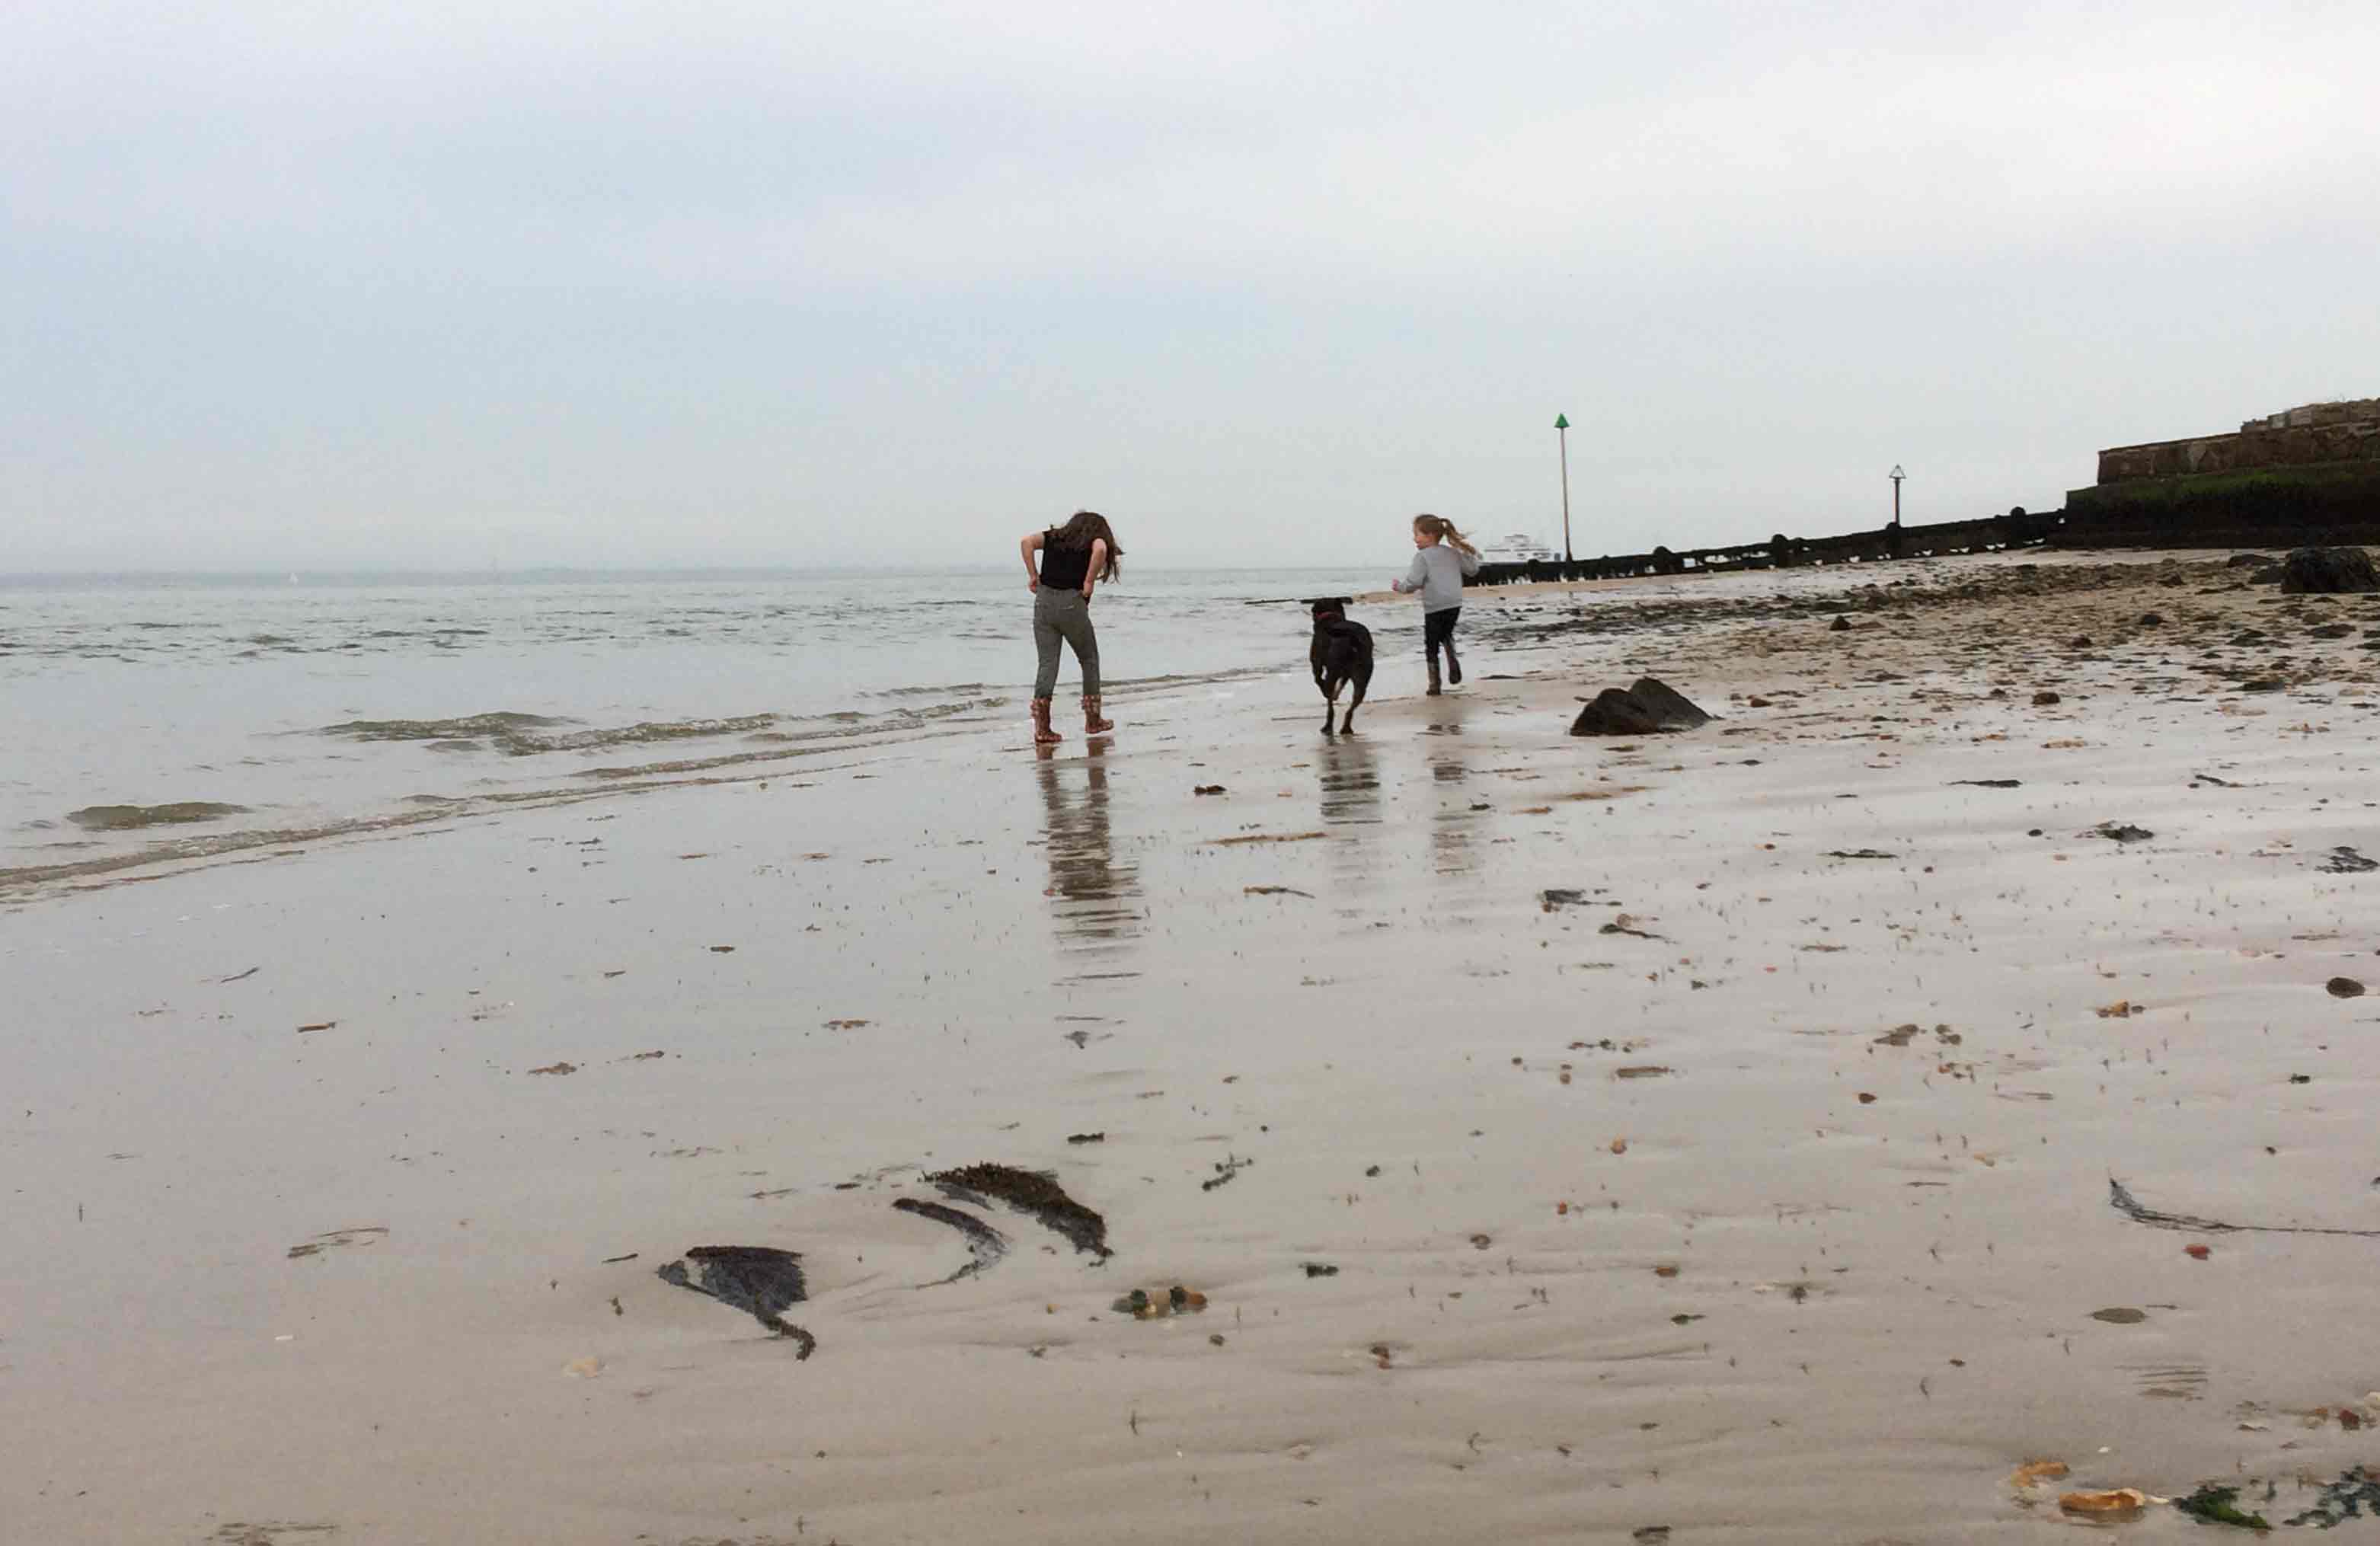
x=1093, y=899
x=1350, y=778
x=1452, y=824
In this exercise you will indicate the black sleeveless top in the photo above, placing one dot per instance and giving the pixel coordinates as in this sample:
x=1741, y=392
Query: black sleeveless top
x=1063, y=568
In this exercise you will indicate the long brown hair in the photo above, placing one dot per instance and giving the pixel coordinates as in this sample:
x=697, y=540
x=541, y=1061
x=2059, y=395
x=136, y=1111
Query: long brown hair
x=1438, y=526
x=1086, y=527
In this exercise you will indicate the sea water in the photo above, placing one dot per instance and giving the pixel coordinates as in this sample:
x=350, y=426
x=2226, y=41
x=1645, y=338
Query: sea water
x=133, y=712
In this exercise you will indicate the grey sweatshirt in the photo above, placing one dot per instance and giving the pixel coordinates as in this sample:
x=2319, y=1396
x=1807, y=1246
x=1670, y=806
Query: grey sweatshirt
x=1436, y=573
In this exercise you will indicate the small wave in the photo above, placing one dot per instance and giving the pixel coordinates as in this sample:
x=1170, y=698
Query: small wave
x=131, y=818
x=516, y=744
x=501, y=724
x=929, y=692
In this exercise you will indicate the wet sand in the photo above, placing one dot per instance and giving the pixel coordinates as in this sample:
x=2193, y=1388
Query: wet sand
x=1809, y=1278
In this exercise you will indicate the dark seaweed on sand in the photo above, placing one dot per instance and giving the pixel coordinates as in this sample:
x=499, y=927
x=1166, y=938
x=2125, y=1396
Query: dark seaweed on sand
x=1034, y=1192
x=985, y=1244
x=759, y=1280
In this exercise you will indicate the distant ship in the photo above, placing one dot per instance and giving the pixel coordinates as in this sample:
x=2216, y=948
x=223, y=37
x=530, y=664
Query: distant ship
x=1519, y=548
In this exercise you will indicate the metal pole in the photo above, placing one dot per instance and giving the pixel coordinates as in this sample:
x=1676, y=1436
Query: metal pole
x=1561, y=429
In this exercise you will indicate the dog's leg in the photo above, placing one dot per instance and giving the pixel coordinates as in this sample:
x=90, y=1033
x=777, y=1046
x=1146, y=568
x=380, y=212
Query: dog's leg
x=1329, y=701
x=1362, y=679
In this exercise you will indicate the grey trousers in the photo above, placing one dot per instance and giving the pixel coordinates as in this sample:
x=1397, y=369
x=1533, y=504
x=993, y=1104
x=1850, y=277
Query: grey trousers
x=1063, y=614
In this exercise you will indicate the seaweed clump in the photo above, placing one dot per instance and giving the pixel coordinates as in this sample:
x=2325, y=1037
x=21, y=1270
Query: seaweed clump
x=760, y=1280
x=1027, y=1191
x=2214, y=1505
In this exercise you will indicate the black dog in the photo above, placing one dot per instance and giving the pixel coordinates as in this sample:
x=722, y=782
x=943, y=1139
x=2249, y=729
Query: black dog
x=1342, y=653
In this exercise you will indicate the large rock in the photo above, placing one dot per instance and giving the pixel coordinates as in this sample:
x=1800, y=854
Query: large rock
x=1648, y=708
x=2322, y=571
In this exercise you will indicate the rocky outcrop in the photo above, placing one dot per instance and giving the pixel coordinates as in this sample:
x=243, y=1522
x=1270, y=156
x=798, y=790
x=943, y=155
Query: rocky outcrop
x=2328, y=571
x=1648, y=708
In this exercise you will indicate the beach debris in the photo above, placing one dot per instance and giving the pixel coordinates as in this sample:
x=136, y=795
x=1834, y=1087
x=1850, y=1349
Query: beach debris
x=2124, y=1008
x=2043, y=699
x=1624, y=925
x=1650, y=706
x=1642, y=1071
x=1275, y=891
x=317, y=1025
x=2121, y=1315
x=2119, y=1197
x=760, y=1280
x=1265, y=837
x=1206, y=789
x=240, y=975
x=844, y=1024
x=1619, y=1146
x=1991, y=783
x=126, y=818
x=2034, y=1472
x=2214, y=1505
x=1859, y=853
x=2343, y=987
x=1900, y=1036
x=1554, y=898
x=2197, y=1253
x=1101, y=1137
x=2343, y=860
x=1027, y=1191
x=2121, y=1502
x=2120, y=832
x=615, y=1261
x=2327, y=571
x=1382, y=1355
x=583, y=1369
x=2355, y=1490
x=1320, y=1269
x=1650, y=1535
x=1143, y=1305
x=557, y=1068
x=1227, y=1167
x=986, y=1245
x=362, y=1235
x=2247, y=560
x=723, y=950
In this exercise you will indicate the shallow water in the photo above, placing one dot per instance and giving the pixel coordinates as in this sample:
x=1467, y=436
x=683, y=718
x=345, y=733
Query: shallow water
x=324, y=705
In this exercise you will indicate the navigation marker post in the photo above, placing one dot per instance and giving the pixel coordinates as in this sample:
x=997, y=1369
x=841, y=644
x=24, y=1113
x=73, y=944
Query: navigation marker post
x=1561, y=430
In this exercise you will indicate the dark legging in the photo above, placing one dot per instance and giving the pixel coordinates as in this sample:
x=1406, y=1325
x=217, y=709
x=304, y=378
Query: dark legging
x=1063, y=614
x=1437, y=628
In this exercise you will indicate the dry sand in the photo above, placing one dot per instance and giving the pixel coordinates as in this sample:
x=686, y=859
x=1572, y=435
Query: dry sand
x=1797, y=1285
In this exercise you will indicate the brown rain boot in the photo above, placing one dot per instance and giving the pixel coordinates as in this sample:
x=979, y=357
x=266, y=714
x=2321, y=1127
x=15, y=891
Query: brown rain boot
x=1433, y=689
x=1042, y=734
x=1454, y=666
x=1092, y=723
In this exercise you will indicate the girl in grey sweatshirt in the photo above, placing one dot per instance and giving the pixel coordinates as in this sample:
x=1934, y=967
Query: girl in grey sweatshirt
x=1443, y=558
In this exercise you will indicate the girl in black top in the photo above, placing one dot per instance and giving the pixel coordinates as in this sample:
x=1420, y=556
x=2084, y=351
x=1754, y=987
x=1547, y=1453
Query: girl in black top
x=1074, y=558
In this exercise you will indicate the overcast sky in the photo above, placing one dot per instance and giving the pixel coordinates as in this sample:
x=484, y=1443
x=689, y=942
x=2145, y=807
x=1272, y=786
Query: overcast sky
x=700, y=284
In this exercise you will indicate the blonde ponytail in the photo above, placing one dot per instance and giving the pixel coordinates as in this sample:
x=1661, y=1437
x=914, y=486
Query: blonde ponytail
x=1438, y=526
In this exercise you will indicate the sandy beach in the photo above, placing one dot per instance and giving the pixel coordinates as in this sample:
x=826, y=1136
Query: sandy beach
x=1701, y=1138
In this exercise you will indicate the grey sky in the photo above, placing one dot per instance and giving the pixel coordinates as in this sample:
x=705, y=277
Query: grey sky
x=542, y=283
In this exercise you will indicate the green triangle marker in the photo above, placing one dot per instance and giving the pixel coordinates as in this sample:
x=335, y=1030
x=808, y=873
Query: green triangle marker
x=1562, y=420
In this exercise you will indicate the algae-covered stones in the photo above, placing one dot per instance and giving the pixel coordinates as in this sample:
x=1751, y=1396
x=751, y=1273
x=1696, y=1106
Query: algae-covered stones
x=1142, y=1304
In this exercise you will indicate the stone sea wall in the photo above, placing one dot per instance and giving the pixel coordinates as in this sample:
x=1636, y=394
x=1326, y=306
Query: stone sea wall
x=2306, y=436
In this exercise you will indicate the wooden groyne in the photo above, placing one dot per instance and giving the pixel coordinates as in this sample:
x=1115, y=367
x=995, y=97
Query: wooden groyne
x=1992, y=534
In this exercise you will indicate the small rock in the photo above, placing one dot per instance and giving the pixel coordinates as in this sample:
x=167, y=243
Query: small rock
x=2044, y=698
x=2152, y=619
x=2080, y=642
x=1842, y=624
x=2123, y=832
x=2344, y=987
